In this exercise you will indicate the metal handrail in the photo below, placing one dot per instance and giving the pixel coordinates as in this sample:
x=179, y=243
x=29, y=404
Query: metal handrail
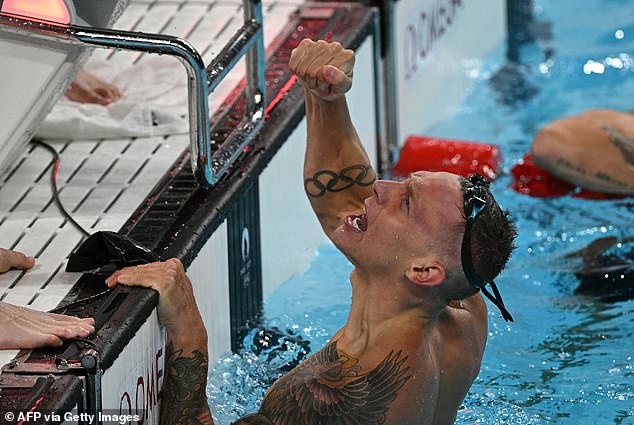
x=210, y=160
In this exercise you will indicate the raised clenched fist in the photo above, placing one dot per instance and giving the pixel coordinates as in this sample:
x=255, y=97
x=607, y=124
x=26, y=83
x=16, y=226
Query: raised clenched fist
x=323, y=68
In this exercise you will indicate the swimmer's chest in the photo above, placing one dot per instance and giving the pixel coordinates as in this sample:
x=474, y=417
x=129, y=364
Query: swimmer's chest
x=330, y=385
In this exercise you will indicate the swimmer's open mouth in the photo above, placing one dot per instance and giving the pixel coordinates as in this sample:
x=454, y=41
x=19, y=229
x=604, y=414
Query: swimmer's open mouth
x=358, y=222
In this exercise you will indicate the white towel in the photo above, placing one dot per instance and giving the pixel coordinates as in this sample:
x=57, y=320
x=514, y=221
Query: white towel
x=154, y=103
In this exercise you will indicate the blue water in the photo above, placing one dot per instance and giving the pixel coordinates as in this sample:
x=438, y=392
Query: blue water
x=567, y=359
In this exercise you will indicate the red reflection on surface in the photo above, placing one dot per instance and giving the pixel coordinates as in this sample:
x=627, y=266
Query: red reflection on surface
x=280, y=95
x=454, y=156
x=45, y=10
x=529, y=179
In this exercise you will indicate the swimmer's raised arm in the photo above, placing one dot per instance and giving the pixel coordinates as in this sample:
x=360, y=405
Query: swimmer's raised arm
x=337, y=172
x=184, y=399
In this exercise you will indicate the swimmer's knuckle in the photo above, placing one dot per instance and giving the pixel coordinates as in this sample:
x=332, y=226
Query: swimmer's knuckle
x=173, y=263
x=66, y=332
x=171, y=278
x=50, y=340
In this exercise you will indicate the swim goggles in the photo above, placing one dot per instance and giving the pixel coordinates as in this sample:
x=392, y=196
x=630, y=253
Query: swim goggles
x=474, y=205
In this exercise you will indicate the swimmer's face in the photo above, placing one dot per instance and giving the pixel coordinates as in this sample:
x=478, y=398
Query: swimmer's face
x=403, y=221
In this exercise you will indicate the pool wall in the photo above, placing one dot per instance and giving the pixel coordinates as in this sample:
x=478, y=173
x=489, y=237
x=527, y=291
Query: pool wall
x=439, y=48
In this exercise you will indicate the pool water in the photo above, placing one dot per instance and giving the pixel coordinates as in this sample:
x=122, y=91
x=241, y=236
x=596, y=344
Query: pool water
x=567, y=359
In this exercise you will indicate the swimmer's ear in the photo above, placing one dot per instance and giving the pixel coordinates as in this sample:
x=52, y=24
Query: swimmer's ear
x=431, y=274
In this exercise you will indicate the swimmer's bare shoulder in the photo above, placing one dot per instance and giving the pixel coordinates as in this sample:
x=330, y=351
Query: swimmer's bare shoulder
x=468, y=316
x=463, y=331
x=474, y=306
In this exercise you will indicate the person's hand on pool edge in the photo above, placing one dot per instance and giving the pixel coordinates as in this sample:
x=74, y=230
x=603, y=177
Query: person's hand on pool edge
x=184, y=386
x=14, y=260
x=25, y=328
x=177, y=308
x=324, y=69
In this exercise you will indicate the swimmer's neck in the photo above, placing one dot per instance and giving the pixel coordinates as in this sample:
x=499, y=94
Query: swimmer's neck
x=378, y=306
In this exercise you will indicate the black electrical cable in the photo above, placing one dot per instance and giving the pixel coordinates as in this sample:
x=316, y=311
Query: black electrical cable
x=66, y=214
x=58, y=202
x=62, y=309
x=83, y=341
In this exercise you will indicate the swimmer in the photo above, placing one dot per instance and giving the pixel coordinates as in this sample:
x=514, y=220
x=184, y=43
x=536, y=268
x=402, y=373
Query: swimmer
x=87, y=88
x=593, y=150
x=24, y=328
x=422, y=249
x=606, y=271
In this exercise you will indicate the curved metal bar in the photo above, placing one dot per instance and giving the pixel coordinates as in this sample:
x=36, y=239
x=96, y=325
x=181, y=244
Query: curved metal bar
x=250, y=44
x=229, y=56
x=197, y=88
x=248, y=40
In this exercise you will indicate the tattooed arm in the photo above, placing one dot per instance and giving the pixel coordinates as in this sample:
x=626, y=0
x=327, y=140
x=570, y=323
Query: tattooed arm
x=337, y=172
x=593, y=150
x=184, y=399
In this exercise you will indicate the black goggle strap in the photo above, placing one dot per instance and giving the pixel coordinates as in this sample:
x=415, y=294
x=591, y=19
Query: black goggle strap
x=497, y=300
x=475, y=207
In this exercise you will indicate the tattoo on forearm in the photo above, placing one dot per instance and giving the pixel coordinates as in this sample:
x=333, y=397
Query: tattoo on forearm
x=325, y=181
x=330, y=388
x=624, y=144
x=569, y=165
x=599, y=175
x=611, y=180
x=184, y=397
